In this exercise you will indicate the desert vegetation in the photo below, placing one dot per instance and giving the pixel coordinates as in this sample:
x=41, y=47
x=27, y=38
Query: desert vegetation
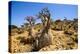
x=48, y=35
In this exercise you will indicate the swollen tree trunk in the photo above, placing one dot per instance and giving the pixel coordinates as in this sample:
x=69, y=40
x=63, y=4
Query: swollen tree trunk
x=32, y=32
x=45, y=37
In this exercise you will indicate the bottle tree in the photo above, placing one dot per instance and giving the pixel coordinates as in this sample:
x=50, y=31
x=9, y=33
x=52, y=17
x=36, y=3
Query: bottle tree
x=31, y=21
x=44, y=15
x=45, y=38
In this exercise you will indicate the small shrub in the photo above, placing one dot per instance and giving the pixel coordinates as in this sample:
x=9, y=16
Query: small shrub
x=68, y=32
x=18, y=38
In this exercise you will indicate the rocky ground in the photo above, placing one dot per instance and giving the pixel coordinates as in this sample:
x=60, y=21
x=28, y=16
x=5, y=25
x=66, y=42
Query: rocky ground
x=61, y=41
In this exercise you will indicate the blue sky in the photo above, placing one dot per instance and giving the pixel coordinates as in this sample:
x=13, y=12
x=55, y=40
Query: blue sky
x=19, y=10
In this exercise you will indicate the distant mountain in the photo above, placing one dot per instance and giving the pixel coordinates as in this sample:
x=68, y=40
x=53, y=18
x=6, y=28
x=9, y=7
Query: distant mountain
x=12, y=26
